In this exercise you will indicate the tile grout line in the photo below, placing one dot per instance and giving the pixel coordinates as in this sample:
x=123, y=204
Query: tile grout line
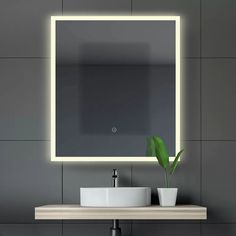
x=26, y=57
x=200, y=102
x=186, y=140
x=62, y=195
x=123, y=223
x=202, y=57
x=25, y=140
x=210, y=140
x=131, y=167
x=200, y=12
x=48, y=57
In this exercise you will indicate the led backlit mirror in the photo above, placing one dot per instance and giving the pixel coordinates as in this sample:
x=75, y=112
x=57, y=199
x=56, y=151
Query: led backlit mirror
x=114, y=82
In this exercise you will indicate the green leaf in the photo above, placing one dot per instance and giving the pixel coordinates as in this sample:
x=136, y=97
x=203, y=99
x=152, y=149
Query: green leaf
x=175, y=162
x=151, y=152
x=161, y=152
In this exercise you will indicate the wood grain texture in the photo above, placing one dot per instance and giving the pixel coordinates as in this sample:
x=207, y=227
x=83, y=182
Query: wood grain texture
x=76, y=212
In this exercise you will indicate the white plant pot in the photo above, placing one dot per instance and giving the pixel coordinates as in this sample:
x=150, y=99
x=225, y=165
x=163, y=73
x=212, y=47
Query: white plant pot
x=167, y=196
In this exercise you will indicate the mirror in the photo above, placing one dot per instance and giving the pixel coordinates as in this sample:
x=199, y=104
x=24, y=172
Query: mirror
x=115, y=80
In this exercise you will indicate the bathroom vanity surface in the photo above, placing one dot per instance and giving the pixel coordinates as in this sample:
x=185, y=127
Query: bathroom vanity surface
x=154, y=212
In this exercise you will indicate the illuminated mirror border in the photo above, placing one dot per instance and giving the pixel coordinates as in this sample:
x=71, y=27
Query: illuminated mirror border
x=54, y=20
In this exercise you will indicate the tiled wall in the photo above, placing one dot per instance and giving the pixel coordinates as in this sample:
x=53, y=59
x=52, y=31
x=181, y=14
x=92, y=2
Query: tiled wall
x=206, y=176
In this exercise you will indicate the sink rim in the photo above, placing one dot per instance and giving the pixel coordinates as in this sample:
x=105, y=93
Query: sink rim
x=117, y=188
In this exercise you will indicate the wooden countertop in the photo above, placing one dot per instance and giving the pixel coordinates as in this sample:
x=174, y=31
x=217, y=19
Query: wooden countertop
x=154, y=212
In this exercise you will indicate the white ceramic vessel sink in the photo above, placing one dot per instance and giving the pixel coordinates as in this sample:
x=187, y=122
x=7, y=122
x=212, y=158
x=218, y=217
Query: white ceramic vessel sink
x=115, y=197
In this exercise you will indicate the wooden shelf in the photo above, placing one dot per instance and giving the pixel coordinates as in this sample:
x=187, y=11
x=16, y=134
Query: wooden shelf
x=155, y=212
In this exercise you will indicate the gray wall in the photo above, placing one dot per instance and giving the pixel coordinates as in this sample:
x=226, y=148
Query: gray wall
x=29, y=179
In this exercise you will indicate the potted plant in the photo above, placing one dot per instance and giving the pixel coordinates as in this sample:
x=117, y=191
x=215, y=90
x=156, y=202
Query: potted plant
x=156, y=147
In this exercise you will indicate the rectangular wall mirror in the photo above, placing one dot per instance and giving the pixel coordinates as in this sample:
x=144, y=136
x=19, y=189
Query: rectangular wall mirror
x=115, y=80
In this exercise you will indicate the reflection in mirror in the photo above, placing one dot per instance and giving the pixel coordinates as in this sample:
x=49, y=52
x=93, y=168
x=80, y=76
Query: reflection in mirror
x=115, y=85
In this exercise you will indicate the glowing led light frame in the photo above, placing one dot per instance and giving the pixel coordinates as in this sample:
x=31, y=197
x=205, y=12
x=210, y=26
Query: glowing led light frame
x=54, y=19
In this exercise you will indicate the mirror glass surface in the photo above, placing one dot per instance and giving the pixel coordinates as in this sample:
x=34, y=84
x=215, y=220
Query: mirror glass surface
x=115, y=85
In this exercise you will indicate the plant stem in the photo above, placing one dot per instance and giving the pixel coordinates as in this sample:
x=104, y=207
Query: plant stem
x=170, y=179
x=166, y=178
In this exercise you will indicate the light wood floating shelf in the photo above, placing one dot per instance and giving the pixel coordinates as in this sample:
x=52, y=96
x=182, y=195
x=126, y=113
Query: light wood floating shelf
x=155, y=212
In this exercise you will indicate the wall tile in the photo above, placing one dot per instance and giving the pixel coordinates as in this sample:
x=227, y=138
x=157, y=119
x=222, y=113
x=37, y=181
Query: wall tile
x=25, y=27
x=28, y=179
x=85, y=7
x=166, y=229
x=218, y=99
x=218, y=229
x=218, y=185
x=218, y=28
x=30, y=229
x=93, y=229
x=24, y=99
x=190, y=99
x=189, y=10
